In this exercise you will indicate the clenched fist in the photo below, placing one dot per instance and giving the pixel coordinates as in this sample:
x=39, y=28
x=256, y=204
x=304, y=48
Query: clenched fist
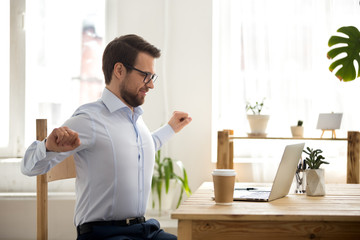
x=179, y=120
x=62, y=139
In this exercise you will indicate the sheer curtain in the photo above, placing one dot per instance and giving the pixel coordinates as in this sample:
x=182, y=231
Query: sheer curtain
x=277, y=50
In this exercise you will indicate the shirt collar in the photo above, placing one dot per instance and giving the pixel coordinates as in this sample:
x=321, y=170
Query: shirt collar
x=113, y=103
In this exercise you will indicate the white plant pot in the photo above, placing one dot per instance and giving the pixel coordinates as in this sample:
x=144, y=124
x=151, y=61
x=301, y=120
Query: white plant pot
x=168, y=200
x=315, y=182
x=297, y=131
x=258, y=123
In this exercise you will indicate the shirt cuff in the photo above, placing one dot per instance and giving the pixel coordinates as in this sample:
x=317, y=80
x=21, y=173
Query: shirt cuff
x=162, y=135
x=35, y=159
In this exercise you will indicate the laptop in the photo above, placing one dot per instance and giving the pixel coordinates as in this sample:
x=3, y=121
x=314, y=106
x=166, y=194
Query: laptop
x=282, y=182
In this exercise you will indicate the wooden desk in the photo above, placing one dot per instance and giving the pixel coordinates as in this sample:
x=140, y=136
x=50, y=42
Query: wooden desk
x=334, y=216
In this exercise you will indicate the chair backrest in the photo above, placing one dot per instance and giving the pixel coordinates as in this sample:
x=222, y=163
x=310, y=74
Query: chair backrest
x=64, y=170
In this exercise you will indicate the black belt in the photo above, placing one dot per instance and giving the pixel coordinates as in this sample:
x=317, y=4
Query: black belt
x=87, y=227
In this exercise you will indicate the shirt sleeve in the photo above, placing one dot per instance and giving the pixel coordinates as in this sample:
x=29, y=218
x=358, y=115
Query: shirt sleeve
x=162, y=135
x=38, y=161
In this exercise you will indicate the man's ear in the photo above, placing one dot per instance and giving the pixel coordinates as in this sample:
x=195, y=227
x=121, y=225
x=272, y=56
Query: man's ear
x=119, y=70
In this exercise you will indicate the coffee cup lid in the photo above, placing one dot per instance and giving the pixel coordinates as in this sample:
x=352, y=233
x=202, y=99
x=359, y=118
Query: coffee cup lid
x=224, y=172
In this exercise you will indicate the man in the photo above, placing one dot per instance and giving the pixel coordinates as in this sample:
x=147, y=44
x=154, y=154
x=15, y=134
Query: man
x=113, y=149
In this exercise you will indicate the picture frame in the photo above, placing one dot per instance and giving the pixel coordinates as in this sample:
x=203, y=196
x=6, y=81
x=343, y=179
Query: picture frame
x=329, y=121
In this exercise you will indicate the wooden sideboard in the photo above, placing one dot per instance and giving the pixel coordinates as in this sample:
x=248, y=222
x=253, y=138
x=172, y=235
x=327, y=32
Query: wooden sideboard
x=225, y=155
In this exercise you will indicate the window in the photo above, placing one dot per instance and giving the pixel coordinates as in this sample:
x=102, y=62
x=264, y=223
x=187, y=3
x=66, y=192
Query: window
x=64, y=46
x=5, y=72
x=12, y=64
x=277, y=50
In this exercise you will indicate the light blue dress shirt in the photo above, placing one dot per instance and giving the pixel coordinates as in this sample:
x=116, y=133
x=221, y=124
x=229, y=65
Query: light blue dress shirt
x=114, y=163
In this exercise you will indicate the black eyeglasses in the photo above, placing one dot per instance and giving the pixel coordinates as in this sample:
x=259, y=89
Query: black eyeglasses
x=148, y=76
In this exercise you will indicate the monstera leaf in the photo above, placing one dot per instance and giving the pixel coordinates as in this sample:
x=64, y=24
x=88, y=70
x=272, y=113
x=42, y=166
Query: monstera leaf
x=347, y=72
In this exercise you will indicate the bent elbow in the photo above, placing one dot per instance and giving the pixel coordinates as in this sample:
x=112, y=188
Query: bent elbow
x=26, y=171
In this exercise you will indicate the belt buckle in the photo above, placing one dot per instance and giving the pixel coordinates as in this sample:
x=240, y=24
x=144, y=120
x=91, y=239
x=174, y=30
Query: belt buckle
x=128, y=220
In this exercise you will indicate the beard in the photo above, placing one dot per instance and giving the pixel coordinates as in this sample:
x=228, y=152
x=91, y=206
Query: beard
x=133, y=99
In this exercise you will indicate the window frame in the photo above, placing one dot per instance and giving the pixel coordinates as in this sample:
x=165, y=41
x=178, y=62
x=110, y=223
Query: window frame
x=16, y=147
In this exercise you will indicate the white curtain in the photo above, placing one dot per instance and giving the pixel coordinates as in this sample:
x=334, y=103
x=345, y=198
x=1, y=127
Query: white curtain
x=277, y=50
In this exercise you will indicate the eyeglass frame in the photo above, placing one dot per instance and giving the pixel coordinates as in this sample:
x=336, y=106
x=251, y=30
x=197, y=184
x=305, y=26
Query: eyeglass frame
x=152, y=77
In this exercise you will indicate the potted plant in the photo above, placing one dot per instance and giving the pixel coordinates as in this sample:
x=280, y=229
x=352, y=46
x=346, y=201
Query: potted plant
x=351, y=47
x=315, y=176
x=298, y=130
x=257, y=121
x=164, y=178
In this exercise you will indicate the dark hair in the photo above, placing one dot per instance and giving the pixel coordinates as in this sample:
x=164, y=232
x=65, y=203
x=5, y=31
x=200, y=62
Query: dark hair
x=125, y=49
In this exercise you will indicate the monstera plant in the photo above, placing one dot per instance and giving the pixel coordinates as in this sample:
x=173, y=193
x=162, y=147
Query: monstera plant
x=351, y=47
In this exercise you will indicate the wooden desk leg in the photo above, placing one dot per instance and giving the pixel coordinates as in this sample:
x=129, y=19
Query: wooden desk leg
x=184, y=230
x=353, y=158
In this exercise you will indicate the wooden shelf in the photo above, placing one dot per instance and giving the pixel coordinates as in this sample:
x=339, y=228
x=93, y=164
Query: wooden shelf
x=289, y=138
x=225, y=155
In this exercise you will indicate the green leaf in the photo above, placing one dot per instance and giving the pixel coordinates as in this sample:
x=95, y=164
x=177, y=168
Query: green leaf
x=157, y=156
x=347, y=71
x=314, y=159
x=153, y=182
x=180, y=198
x=185, y=179
x=158, y=190
x=168, y=170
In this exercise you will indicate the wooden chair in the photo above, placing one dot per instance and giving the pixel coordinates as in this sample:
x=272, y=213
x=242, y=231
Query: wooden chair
x=64, y=170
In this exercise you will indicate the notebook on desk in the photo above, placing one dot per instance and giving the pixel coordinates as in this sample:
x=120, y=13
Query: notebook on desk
x=282, y=182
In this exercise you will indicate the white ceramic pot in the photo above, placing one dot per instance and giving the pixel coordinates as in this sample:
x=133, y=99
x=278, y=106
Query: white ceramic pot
x=258, y=123
x=297, y=131
x=315, y=182
x=168, y=200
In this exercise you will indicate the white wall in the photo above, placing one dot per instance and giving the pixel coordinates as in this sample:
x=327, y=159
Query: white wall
x=189, y=65
x=182, y=30
x=20, y=224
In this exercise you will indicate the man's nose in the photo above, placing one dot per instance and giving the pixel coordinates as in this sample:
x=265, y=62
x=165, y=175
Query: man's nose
x=150, y=84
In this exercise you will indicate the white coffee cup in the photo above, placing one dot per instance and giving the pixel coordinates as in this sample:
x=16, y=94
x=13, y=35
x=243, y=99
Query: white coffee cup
x=224, y=182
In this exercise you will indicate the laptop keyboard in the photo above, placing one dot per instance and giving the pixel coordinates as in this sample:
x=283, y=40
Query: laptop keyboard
x=252, y=194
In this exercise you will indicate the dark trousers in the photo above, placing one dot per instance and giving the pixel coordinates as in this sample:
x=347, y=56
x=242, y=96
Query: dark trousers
x=147, y=230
